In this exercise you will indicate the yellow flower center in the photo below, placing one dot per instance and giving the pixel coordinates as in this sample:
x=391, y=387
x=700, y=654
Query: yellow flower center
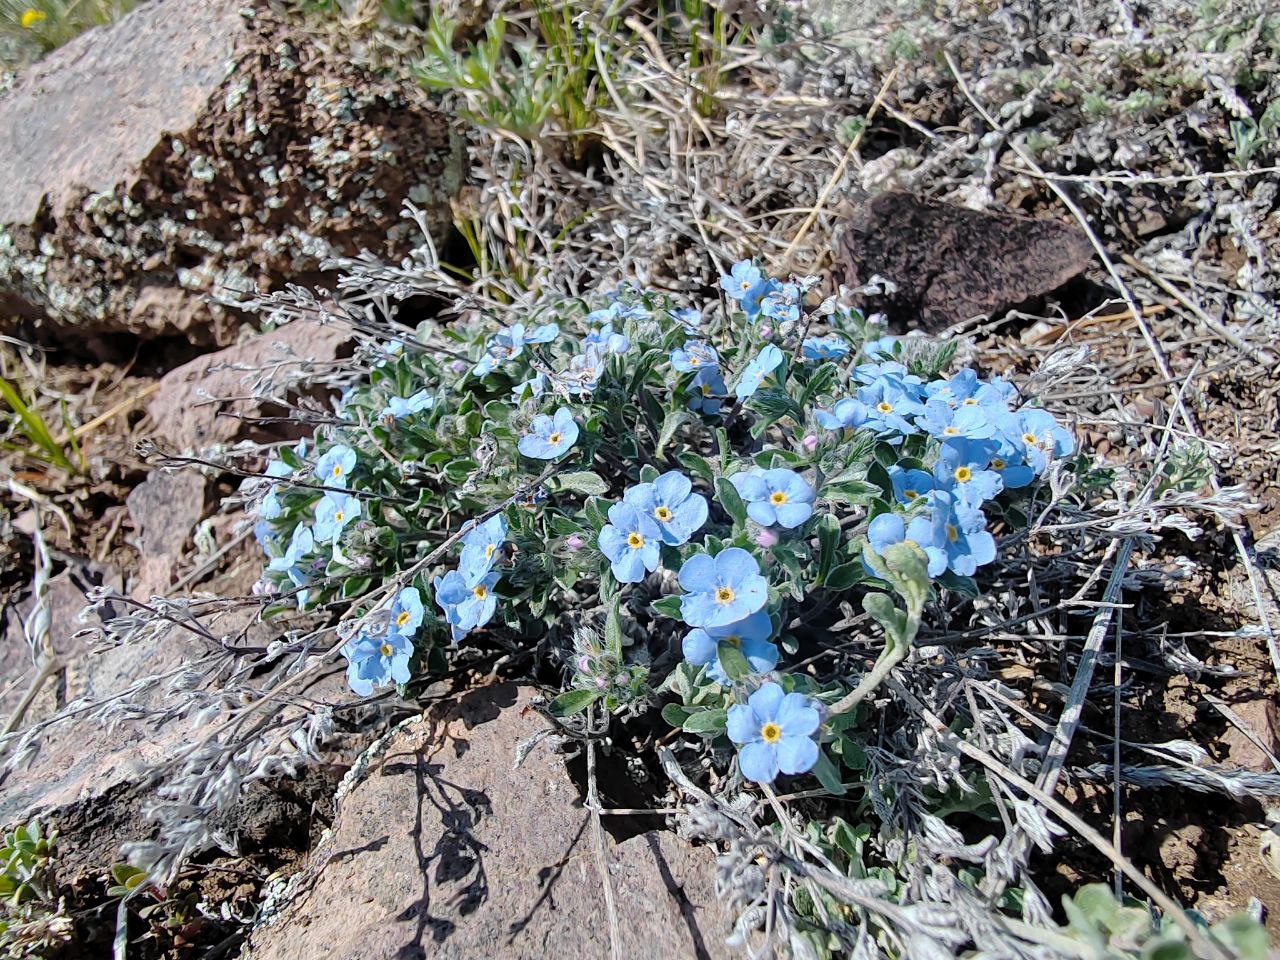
x=706, y=389
x=488, y=550
x=733, y=641
x=771, y=732
x=1030, y=438
x=963, y=474
x=950, y=431
x=693, y=361
x=663, y=513
x=909, y=494
x=403, y=618
x=554, y=438
x=635, y=540
x=884, y=406
x=952, y=533
x=777, y=498
x=337, y=469
x=970, y=402
x=338, y=515
x=724, y=595
x=480, y=591
x=997, y=464
x=30, y=17
x=386, y=650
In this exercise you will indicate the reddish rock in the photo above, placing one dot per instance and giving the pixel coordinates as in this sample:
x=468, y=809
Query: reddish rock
x=448, y=850
x=165, y=509
x=193, y=407
x=192, y=148
x=951, y=263
x=1262, y=716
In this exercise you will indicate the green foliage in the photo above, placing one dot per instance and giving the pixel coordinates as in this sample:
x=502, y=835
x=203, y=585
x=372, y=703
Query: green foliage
x=31, y=28
x=558, y=72
x=25, y=420
x=31, y=921
x=1186, y=469
x=523, y=81
x=1112, y=929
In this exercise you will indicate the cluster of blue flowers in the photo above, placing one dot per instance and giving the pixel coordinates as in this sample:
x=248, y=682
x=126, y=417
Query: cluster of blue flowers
x=983, y=447
x=948, y=450
x=466, y=594
x=379, y=655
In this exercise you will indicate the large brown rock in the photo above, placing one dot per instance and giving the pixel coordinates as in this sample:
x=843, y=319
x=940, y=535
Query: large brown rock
x=951, y=264
x=449, y=850
x=198, y=147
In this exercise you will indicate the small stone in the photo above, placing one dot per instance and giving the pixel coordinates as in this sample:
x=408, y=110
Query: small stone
x=951, y=264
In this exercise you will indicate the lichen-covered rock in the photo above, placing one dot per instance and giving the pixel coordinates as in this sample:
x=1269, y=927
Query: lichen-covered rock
x=193, y=149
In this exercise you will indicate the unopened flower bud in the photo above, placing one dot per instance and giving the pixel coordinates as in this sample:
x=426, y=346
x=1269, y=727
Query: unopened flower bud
x=764, y=537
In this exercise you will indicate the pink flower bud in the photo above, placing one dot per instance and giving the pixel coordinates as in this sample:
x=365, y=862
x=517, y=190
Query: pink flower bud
x=458, y=366
x=764, y=537
x=765, y=330
x=574, y=542
x=810, y=442
x=583, y=663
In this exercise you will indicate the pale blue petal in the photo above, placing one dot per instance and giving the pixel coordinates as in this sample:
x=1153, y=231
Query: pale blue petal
x=698, y=647
x=765, y=702
x=796, y=754
x=698, y=574
x=741, y=725
x=796, y=716
x=759, y=762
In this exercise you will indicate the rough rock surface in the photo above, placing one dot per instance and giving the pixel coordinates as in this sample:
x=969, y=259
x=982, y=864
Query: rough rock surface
x=191, y=410
x=64, y=598
x=80, y=758
x=239, y=157
x=951, y=263
x=446, y=849
x=165, y=509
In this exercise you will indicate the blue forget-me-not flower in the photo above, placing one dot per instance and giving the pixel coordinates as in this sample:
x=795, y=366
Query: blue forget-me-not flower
x=890, y=528
x=761, y=365
x=694, y=355
x=751, y=636
x=707, y=391
x=961, y=468
x=332, y=468
x=550, y=436
x=847, y=413
x=778, y=496
x=480, y=547
x=333, y=512
x=721, y=589
x=631, y=541
x=774, y=732
x=671, y=503
x=398, y=408
x=375, y=660
x=830, y=347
